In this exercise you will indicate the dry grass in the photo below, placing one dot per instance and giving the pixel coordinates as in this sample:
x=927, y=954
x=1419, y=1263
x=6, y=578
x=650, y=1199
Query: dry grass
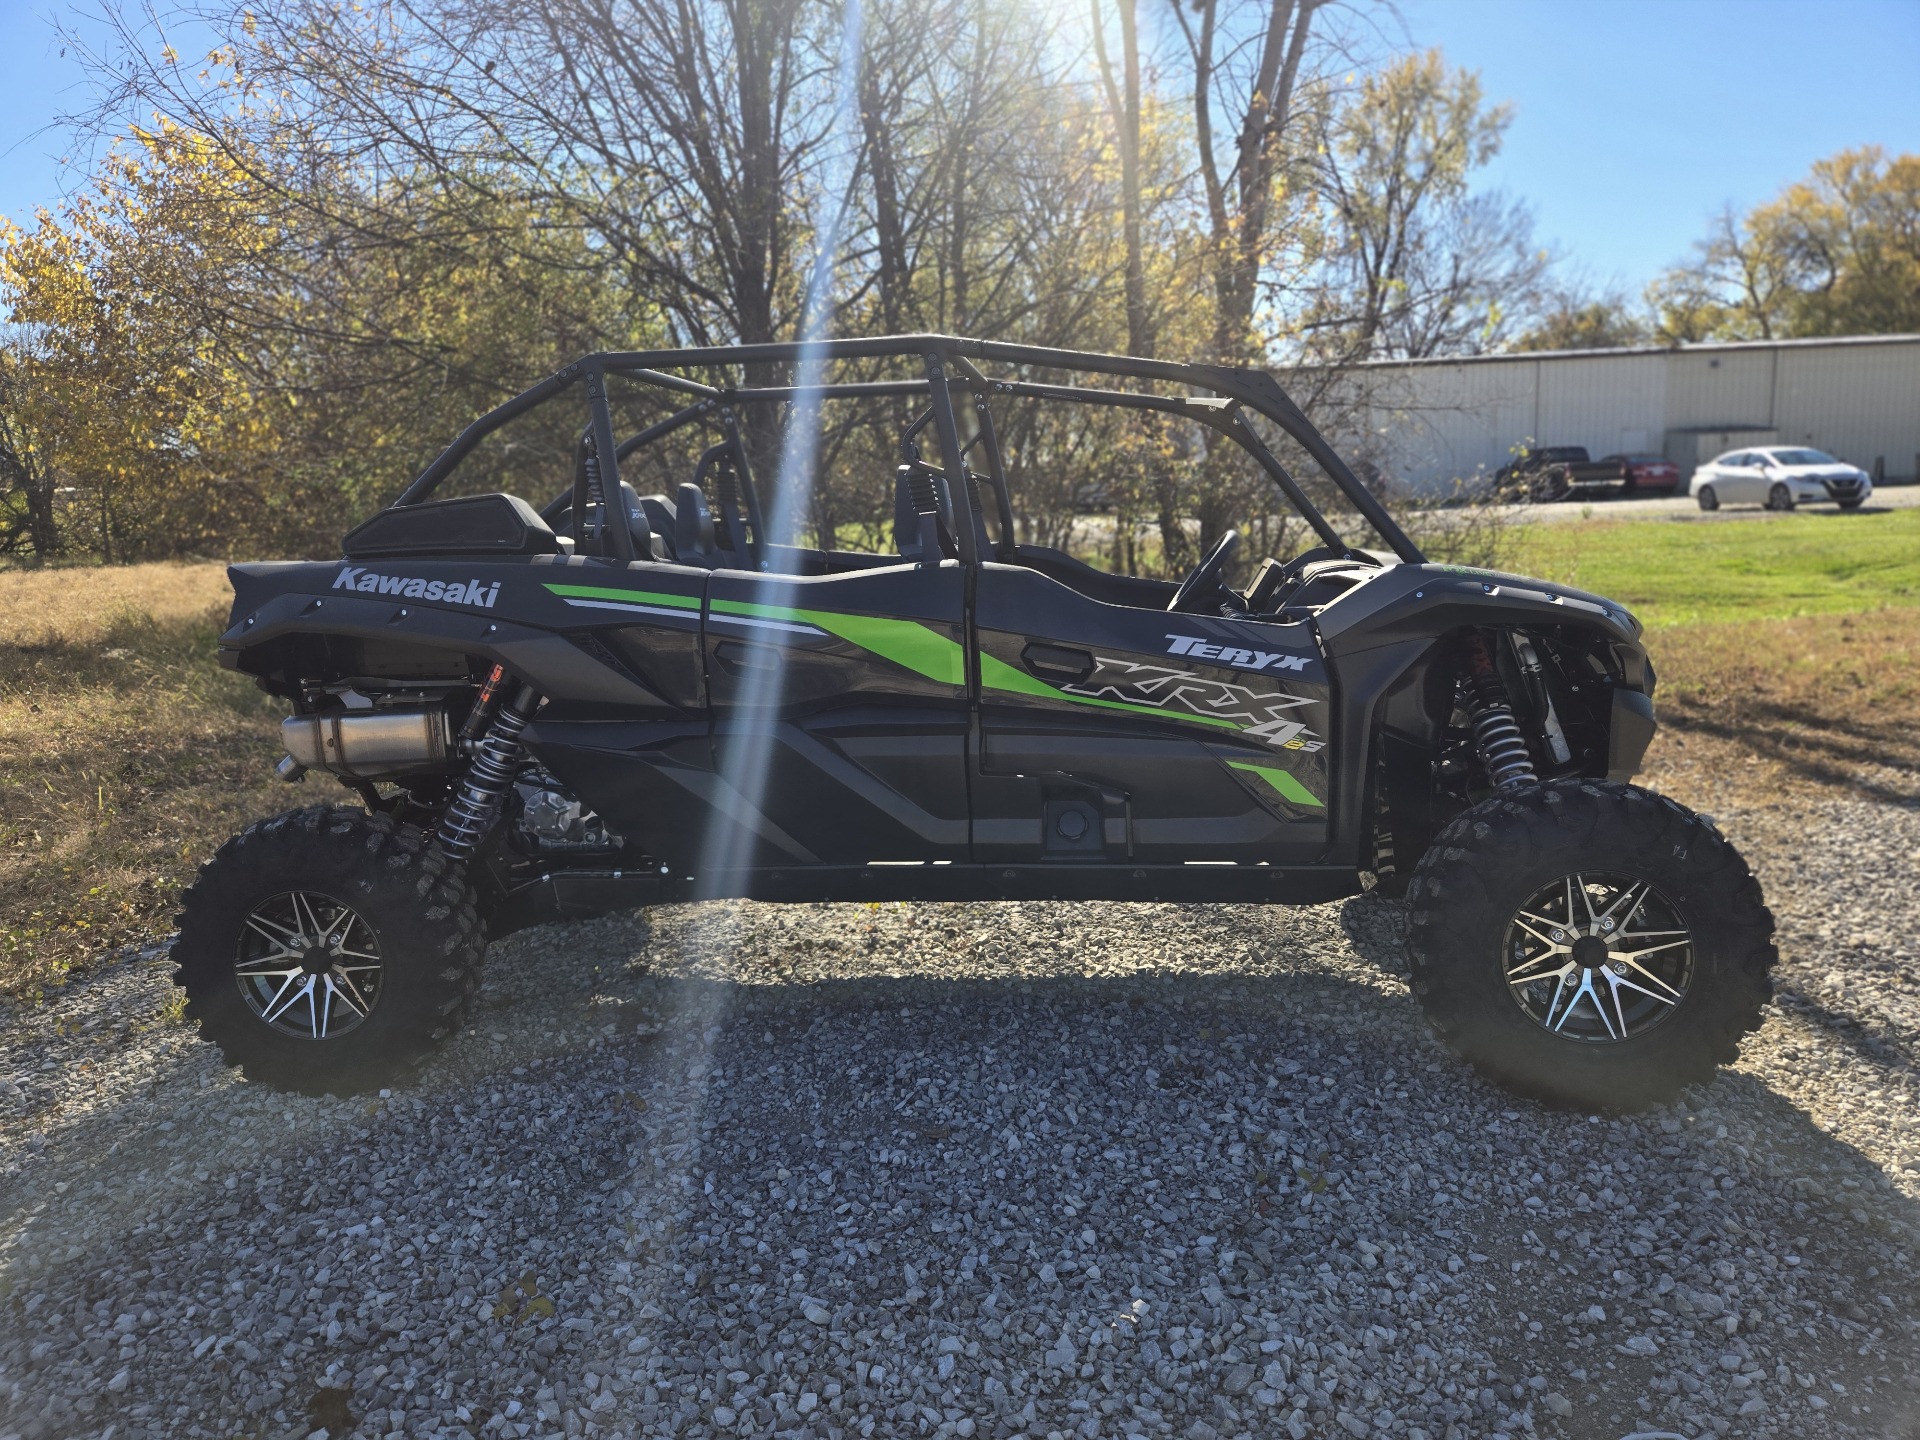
x=126, y=756
x=77, y=606
x=1769, y=712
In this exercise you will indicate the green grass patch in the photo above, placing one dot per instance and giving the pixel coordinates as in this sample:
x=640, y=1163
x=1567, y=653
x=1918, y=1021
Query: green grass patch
x=1746, y=567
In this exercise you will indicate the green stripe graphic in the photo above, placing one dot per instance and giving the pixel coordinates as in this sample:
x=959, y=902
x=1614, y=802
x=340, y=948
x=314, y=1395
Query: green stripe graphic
x=923, y=650
x=1281, y=780
x=907, y=643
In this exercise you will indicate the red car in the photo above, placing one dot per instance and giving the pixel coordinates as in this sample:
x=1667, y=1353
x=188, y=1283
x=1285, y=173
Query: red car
x=1642, y=474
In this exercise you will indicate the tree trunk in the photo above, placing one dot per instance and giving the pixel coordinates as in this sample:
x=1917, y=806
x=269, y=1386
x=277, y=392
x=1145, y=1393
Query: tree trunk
x=1123, y=104
x=43, y=529
x=1241, y=220
x=889, y=233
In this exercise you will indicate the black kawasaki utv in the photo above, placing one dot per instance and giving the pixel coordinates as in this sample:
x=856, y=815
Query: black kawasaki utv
x=624, y=699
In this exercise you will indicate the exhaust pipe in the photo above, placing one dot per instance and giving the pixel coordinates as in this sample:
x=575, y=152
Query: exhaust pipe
x=364, y=747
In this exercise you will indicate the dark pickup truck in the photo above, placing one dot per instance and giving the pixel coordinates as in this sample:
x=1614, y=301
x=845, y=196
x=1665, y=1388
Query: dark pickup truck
x=1556, y=472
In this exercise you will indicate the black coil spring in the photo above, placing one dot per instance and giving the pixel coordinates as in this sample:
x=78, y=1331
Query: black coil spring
x=1496, y=735
x=497, y=761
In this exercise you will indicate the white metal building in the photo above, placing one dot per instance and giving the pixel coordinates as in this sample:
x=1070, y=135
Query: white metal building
x=1430, y=423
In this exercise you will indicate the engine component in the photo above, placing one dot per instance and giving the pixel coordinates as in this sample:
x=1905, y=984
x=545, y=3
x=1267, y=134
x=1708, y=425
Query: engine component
x=551, y=819
x=366, y=745
x=1496, y=734
x=495, y=763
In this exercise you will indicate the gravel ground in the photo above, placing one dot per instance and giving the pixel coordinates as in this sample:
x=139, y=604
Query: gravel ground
x=988, y=1170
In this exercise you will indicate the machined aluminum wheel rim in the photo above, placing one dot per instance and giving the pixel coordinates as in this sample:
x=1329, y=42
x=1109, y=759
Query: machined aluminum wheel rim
x=308, y=965
x=1598, y=958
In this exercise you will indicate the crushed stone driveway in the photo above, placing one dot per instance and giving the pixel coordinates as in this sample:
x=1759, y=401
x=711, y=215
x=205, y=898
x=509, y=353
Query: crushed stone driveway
x=988, y=1170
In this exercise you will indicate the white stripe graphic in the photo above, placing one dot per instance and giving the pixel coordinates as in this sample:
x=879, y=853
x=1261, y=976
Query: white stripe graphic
x=634, y=609
x=757, y=624
x=749, y=621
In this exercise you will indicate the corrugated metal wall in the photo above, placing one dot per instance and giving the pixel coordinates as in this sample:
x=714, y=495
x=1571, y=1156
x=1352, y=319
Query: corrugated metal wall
x=1433, y=423
x=1863, y=400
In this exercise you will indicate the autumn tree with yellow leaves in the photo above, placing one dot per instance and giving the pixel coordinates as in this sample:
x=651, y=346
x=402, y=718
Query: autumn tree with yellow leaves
x=126, y=405
x=1836, y=253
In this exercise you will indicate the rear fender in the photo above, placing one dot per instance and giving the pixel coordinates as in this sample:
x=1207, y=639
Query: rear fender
x=281, y=609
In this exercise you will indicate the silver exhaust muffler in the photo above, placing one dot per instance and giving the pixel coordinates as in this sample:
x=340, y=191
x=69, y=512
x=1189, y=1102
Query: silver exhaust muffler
x=367, y=746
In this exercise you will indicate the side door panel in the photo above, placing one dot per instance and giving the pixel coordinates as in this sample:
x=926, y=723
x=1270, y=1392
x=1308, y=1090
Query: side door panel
x=645, y=767
x=1110, y=732
x=1743, y=481
x=840, y=716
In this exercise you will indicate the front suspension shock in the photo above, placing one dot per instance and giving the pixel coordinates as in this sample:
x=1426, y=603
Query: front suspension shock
x=495, y=762
x=1496, y=734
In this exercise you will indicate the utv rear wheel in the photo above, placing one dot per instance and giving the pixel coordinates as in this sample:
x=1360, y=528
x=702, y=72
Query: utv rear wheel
x=1592, y=945
x=328, y=950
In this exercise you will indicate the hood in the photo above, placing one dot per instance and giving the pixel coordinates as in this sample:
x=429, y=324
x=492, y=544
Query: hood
x=1821, y=472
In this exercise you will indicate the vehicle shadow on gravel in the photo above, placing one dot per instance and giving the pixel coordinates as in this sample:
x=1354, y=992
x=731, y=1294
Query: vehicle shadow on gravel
x=926, y=1165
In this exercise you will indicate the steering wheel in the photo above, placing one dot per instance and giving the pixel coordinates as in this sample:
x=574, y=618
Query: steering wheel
x=1207, y=573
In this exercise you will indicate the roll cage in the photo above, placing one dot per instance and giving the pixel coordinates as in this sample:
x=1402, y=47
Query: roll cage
x=949, y=369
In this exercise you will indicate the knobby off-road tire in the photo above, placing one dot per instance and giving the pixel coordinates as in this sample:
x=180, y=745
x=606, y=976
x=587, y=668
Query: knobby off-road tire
x=1464, y=937
x=409, y=955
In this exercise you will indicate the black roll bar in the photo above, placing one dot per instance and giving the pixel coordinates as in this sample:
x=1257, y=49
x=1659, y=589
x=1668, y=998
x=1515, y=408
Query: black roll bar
x=1257, y=390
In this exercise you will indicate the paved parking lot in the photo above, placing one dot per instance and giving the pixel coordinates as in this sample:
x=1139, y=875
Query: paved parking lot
x=1683, y=507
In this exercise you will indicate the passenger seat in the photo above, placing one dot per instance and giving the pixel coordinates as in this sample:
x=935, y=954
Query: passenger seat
x=693, y=528
x=647, y=545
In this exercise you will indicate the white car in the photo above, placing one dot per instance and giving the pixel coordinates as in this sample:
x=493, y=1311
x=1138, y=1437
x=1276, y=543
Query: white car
x=1779, y=477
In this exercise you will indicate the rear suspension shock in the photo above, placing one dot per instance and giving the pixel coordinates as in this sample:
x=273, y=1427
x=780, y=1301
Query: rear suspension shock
x=496, y=761
x=1496, y=734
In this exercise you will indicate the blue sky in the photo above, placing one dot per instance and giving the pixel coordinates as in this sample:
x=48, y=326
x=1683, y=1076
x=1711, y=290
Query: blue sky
x=1635, y=120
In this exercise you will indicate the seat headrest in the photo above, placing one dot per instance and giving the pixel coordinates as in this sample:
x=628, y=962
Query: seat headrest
x=692, y=526
x=638, y=525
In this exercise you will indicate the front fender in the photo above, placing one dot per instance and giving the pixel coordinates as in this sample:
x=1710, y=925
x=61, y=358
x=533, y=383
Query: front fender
x=1378, y=633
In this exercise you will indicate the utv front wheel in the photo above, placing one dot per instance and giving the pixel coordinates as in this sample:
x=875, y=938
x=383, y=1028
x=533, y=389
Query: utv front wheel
x=328, y=950
x=1592, y=945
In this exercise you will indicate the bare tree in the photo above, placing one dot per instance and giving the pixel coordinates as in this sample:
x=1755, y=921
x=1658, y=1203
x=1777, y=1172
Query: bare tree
x=1417, y=265
x=1240, y=192
x=1123, y=107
